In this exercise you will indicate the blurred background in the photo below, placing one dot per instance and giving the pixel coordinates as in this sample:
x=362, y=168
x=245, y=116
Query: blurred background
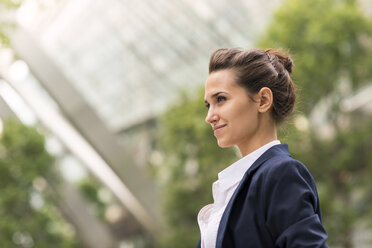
x=103, y=141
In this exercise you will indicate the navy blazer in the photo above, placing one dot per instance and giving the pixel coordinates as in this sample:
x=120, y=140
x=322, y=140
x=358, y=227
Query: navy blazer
x=275, y=205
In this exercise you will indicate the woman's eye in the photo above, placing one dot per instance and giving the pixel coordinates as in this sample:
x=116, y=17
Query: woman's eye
x=221, y=98
x=207, y=105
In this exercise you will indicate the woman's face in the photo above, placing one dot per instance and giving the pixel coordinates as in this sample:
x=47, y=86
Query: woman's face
x=232, y=114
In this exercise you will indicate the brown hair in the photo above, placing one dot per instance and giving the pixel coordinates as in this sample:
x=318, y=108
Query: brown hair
x=258, y=68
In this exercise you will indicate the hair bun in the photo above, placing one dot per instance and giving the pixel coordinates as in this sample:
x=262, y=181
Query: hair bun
x=282, y=57
x=288, y=64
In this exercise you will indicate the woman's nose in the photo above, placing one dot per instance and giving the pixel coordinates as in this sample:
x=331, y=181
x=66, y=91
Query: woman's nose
x=211, y=117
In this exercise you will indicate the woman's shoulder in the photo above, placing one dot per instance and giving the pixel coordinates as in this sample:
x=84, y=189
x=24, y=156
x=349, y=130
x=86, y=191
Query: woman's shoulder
x=284, y=169
x=278, y=158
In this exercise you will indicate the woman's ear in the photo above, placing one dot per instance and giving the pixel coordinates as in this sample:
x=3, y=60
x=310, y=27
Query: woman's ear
x=265, y=99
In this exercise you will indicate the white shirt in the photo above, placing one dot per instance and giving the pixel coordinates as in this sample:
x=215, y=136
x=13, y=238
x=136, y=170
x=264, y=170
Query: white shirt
x=209, y=216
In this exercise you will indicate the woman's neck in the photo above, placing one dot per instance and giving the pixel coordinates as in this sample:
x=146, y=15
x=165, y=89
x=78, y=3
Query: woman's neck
x=264, y=135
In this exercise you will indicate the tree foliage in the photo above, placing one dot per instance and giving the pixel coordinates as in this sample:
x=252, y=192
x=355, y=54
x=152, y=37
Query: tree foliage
x=330, y=40
x=27, y=219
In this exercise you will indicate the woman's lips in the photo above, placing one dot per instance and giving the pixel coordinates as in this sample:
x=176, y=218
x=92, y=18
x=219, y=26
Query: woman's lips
x=218, y=128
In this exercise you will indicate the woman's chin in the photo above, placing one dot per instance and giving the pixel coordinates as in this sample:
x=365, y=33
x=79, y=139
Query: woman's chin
x=223, y=144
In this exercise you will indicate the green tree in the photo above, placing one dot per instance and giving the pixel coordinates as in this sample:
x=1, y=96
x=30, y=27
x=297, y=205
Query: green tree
x=27, y=219
x=191, y=163
x=330, y=41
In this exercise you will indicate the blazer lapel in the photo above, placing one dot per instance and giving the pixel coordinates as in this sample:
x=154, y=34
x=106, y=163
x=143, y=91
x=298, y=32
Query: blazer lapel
x=281, y=149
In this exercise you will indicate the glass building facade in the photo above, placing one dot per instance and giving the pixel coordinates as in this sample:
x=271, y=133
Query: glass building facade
x=129, y=59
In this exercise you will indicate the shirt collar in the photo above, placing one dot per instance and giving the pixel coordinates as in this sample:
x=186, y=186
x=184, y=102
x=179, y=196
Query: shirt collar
x=235, y=172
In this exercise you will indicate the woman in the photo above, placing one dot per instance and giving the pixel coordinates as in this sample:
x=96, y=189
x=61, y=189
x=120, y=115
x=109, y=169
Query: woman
x=267, y=198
